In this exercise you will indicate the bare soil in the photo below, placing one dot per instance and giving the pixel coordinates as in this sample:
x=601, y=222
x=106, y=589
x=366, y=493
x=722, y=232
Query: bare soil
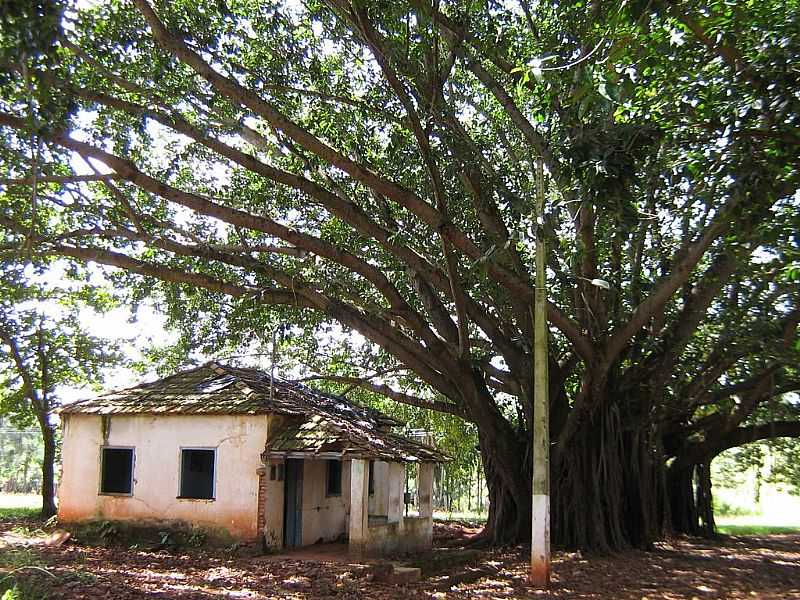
x=728, y=567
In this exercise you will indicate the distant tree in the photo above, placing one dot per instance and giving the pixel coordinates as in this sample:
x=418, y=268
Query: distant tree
x=785, y=467
x=21, y=452
x=43, y=347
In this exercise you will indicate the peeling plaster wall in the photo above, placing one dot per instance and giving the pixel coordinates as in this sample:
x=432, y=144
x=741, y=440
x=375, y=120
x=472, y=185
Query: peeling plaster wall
x=273, y=529
x=379, y=501
x=239, y=440
x=414, y=534
x=324, y=517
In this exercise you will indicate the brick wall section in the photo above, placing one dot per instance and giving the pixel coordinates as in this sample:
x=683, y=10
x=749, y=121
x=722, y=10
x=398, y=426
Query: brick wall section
x=262, y=499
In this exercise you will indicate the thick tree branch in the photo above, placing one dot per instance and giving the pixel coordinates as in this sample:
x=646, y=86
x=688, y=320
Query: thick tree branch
x=705, y=451
x=681, y=270
x=65, y=179
x=28, y=384
x=404, y=197
x=397, y=396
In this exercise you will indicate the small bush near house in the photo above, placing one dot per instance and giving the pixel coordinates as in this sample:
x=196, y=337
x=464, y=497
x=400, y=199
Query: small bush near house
x=24, y=577
x=171, y=537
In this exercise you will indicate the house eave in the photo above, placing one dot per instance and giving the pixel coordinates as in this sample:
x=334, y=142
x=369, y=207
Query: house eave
x=310, y=455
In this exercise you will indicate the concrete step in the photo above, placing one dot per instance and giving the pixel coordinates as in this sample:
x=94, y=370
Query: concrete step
x=395, y=573
x=403, y=575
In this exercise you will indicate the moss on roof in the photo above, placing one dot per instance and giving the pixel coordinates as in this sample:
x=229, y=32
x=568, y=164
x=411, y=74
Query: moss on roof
x=328, y=423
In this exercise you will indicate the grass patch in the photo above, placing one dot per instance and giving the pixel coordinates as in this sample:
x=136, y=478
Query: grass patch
x=17, y=559
x=756, y=529
x=19, y=506
x=25, y=587
x=468, y=517
x=19, y=512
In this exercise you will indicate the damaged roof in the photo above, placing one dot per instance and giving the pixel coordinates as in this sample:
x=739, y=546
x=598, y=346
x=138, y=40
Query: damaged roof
x=323, y=434
x=324, y=422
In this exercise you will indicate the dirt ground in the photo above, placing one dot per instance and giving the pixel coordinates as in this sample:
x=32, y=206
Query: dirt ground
x=731, y=567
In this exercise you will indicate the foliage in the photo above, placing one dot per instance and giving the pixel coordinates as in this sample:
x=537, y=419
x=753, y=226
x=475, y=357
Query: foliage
x=23, y=576
x=773, y=461
x=43, y=342
x=725, y=509
x=20, y=459
x=786, y=465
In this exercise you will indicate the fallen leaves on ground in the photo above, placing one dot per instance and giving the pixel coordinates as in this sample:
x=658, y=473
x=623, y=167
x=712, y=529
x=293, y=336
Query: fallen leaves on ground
x=684, y=568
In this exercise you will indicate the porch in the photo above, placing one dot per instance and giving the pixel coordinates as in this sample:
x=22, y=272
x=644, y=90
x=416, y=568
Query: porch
x=345, y=480
x=387, y=530
x=356, y=501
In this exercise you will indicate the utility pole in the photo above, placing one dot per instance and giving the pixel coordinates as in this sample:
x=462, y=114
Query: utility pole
x=540, y=539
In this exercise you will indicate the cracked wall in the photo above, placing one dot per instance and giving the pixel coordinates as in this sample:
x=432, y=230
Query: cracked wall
x=157, y=440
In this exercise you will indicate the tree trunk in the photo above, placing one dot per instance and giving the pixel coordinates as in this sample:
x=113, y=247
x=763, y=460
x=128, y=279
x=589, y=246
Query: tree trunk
x=683, y=507
x=48, y=471
x=691, y=499
x=609, y=485
x=705, y=501
x=509, y=518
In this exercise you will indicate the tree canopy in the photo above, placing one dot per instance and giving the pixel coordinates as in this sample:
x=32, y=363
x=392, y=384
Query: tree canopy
x=370, y=168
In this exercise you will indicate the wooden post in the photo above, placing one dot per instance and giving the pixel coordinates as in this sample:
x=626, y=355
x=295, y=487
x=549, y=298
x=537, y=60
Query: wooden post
x=540, y=539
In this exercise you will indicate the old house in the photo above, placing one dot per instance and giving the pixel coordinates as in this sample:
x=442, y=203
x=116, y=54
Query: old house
x=223, y=447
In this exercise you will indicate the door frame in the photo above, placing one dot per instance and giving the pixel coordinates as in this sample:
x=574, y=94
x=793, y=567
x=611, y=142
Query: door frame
x=293, y=503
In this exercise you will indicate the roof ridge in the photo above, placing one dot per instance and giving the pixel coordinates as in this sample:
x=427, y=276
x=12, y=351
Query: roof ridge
x=132, y=387
x=229, y=370
x=371, y=412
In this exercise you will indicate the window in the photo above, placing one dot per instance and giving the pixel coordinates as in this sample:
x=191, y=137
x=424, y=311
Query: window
x=334, y=478
x=276, y=472
x=116, y=471
x=371, y=478
x=197, y=473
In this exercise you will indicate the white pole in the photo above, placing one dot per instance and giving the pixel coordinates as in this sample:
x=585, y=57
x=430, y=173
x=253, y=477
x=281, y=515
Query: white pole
x=540, y=541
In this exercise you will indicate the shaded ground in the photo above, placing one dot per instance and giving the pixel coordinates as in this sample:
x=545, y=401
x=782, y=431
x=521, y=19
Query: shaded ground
x=732, y=567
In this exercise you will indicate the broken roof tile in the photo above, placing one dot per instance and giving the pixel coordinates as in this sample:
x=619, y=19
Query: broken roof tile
x=333, y=423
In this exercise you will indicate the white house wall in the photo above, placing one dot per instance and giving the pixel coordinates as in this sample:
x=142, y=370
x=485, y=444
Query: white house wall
x=273, y=526
x=324, y=517
x=157, y=441
x=378, y=501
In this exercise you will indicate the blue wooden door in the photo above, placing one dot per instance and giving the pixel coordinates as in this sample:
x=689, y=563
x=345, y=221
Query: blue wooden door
x=293, y=503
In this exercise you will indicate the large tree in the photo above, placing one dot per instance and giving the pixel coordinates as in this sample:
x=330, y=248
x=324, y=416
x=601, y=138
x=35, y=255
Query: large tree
x=372, y=164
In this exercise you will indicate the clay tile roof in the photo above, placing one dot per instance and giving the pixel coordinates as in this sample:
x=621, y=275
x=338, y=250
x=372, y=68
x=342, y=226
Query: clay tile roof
x=326, y=422
x=324, y=434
